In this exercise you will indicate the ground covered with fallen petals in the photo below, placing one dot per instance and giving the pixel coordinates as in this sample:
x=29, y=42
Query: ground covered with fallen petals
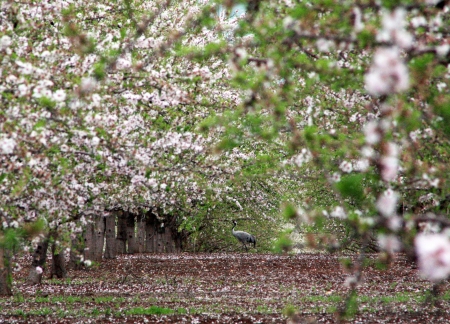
x=224, y=288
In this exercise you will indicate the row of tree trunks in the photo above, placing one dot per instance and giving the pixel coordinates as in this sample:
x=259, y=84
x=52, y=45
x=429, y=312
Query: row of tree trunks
x=159, y=238
x=137, y=234
x=134, y=234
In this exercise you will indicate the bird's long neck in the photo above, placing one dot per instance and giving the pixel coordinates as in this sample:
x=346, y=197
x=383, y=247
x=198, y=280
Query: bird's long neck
x=232, y=229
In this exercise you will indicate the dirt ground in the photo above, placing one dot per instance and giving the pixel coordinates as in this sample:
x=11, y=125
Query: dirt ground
x=225, y=288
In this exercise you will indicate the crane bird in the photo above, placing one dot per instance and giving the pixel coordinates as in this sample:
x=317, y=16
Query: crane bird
x=243, y=237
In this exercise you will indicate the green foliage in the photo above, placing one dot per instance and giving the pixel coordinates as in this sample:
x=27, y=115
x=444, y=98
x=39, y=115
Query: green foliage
x=284, y=243
x=153, y=310
x=289, y=212
x=351, y=305
x=351, y=186
x=47, y=103
x=99, y=70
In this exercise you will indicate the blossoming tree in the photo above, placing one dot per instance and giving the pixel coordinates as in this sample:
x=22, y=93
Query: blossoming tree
x=339, y=108
x=360, y=90
x=103, y=107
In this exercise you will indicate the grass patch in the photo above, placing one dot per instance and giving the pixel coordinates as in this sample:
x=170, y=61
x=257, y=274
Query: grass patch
x=153, y=310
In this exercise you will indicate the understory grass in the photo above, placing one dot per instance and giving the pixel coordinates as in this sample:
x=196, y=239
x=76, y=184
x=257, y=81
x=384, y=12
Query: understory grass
x=94, y=307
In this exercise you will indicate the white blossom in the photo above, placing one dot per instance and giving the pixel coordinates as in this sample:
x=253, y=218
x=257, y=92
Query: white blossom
x=387, y=203
x=389, y=243
x=7, y=145
x=5, y=42
x=346, y=166
x=388, y=73
x=389, y=168
x=39, y=270
x=372, y=132
x=59, y=95
x=338, y=212
x=433, y=252
x=393, y=29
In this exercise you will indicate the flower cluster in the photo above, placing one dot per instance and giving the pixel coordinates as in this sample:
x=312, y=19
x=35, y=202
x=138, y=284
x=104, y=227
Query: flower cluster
x=388, y=73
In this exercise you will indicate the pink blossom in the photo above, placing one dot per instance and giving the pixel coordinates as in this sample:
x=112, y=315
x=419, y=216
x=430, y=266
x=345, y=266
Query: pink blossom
x=7, y=145
x=5, y=42
x=433, y=252
x=339, y=212
x=387, y=203
x=346, y=166
x=388, y=73
x=389, y=243
x=335, y=177
x=39, y=270
x=389, y=168
x=393, y=29
x=372, y=132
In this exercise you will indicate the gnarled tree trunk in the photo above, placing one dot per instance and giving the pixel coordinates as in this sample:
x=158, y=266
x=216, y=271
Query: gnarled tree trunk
x=110, y=233
x=76, y=252
x=150, y=229
x=99, y=238
x=121, y=239
x=58, y=263
x=161, y=238
x=140, y=238
x=39, y=259
x=94, y=238
x=131, y=233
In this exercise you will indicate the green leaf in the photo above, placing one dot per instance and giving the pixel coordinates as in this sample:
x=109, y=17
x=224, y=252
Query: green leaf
x=351, y=186
x=99, y=71
x=289, y=212
x=3, y=176
x=283, y=243
x=47, y=102
x=40, y=124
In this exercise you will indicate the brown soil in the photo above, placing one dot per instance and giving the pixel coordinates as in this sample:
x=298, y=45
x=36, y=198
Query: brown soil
x=224, y=288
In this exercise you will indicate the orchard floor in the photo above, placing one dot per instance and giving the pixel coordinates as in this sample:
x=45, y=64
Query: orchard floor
x=224, y=288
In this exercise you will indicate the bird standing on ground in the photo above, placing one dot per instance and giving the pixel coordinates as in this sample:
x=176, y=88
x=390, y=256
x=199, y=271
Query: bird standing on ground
x=243, y=237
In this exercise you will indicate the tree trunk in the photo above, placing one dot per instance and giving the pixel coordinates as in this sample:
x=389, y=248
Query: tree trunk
x=159, y=237
x=131, y=233
x=159, y=241
x=99, y=238
x=140, y=239
x=121, y=233
x=5, y=273
x=94, y=239
x=58, y=263
x=75, y=253
x=110, y=233
x=150, y=231
x=88, y=240
x=39, y=259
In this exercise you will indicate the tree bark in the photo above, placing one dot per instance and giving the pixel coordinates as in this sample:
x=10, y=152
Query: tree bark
x=110, y=233
x=140, y=238
x=121, y=233
x=58, y=263
x=5, y=273
x=75, y=253
x=99, y=238
x=160, y=238
x=131, y=233
x=88, y=240
x=150, y=232
x=39, y=259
